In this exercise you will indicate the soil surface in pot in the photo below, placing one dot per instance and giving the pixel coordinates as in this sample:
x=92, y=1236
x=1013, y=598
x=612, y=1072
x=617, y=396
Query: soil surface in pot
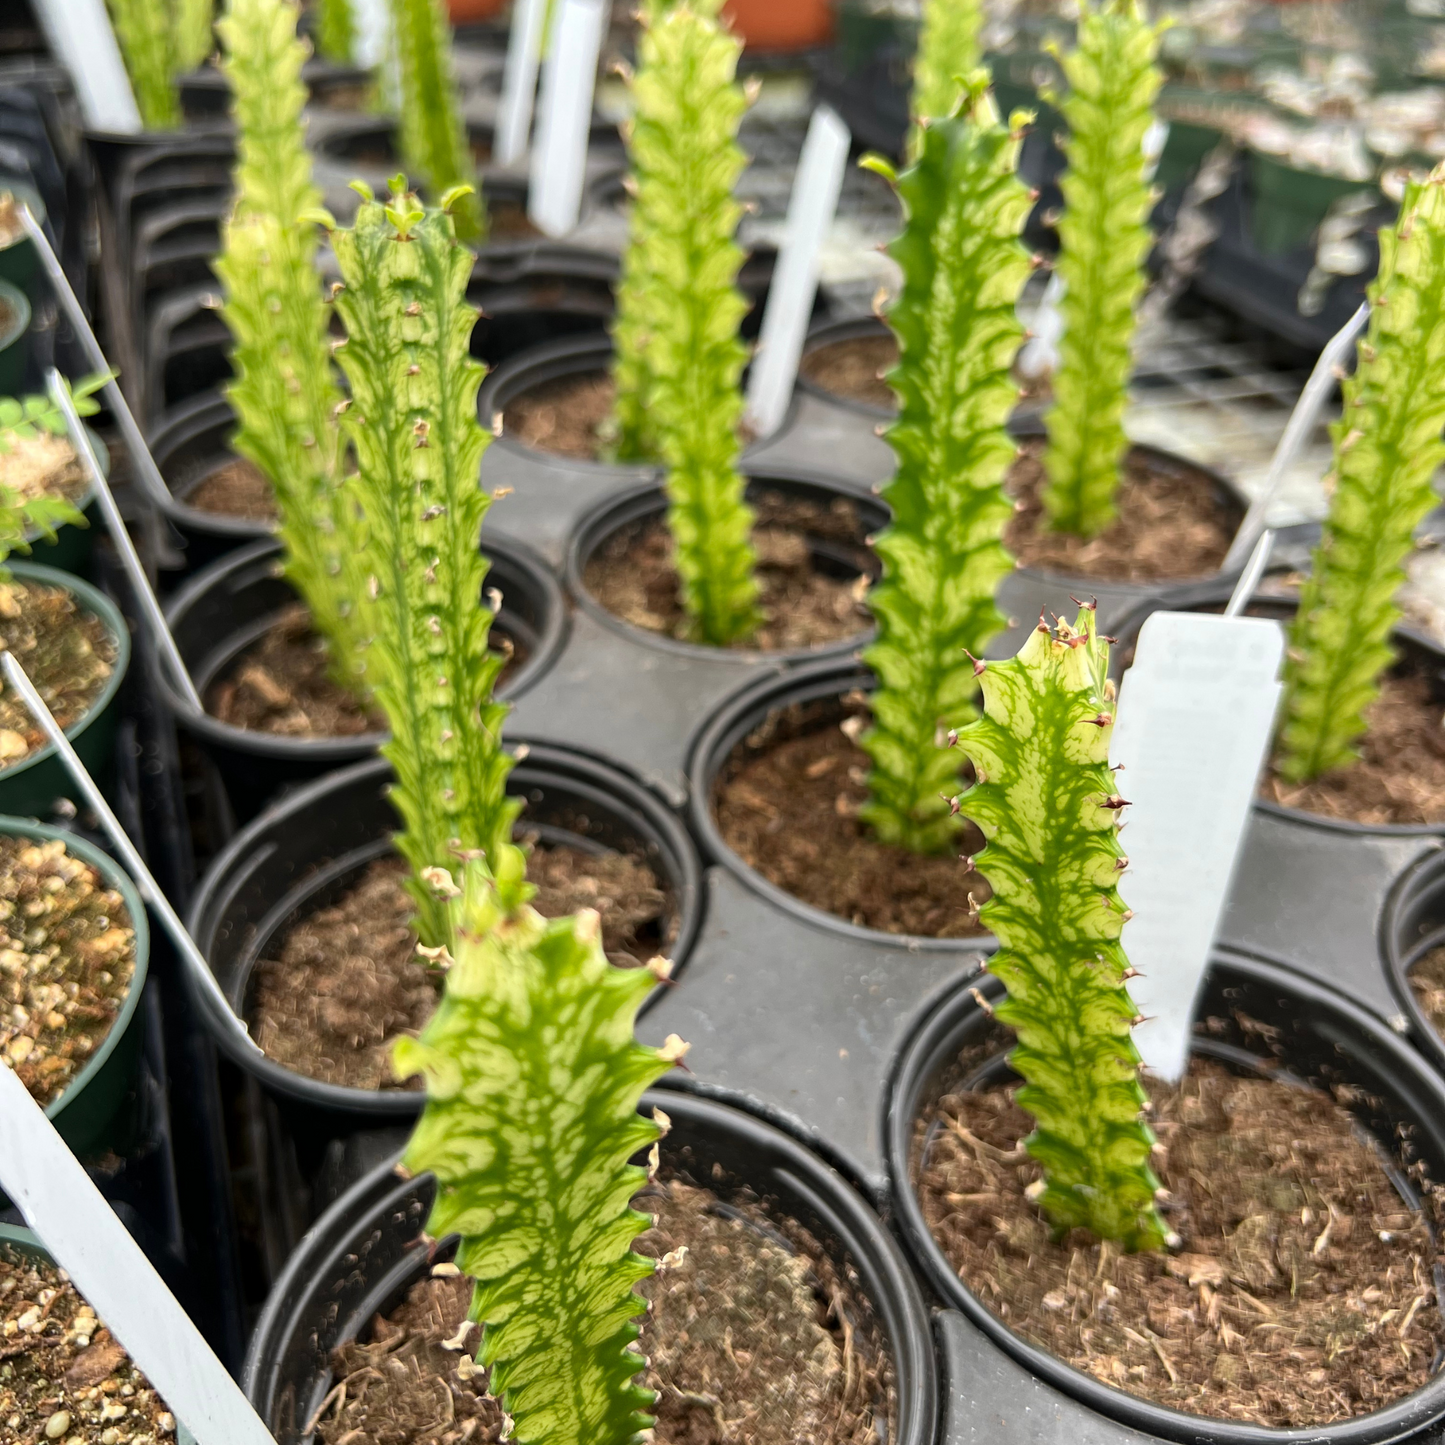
x=67, y=957
x=281, y=684
x=1427, y=981
x=787, y=802
x=854, y=369
x=563, y=416
x=237, y=488
x=1302, y=1293
x=632, y=575
x=346, y=982
x=754, y=1339
x=1172, y=523
x=1400, y=775
x=42, y=465
x=63, y=1376
x=68, y=652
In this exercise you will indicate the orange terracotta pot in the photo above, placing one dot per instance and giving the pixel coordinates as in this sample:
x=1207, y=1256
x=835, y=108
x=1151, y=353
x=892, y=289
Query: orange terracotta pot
x=780, y=25
x=469, y=12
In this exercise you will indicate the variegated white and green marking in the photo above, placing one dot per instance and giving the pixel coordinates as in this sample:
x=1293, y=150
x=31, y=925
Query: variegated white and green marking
x=413, y=423
x=533, y=1084
x=1045, y=802
x=942, y=554
x=1104, y=234
x=1387, y=448
x=678, y=355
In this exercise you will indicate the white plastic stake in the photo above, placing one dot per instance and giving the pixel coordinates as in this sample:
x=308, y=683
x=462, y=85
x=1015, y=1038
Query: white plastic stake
x=811, y=208
x=82, y=1233
x=559, y=156
x=150, y=890
x=519, y=81
x=140, y=583
x=373, y=31
x=80, y=34
x=1195, y=716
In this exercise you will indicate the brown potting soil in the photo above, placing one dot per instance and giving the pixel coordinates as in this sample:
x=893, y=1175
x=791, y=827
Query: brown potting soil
x=42, y=465
x=282, y=684
x=563, y=416
x=854, y=369
x=632, y=575
x=63, y=1376
x=346, y=981
x=67, y=957
x=753, y=1339
x=787, y=803
x=1427, y=982
x=509, y=221
x=68, y=652
x=237, y=488
x=1303, y=1291
x=1171, y=523
x=1400, y=774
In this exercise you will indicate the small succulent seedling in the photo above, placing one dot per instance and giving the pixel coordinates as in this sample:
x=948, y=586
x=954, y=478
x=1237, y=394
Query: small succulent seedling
x=948, y=50
x=1104, y=235
x=533, y=1084
x=1045, y=802
x=433, y=136
x=159, y=41
x=413, y=421
x=24, y=418
x=1387, y=448
x=942, y=554
x=679, y=358
x=285, y=391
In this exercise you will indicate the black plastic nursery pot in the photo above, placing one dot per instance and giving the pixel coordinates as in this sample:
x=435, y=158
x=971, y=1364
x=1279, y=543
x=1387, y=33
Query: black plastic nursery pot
x=73, y=544
x=840, y=333
x=309, y=847
x=14, y=348
x=1413, y=926
x=231, y=605
x=206, y=92
x=29, y=788
x=83, y=1113
x=1301, y=1030
x=533, y=292
x=367, y=1250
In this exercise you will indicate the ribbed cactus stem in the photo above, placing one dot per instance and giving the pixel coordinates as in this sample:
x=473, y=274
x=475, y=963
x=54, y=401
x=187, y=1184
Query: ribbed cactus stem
x=1046, y=804
x=147, y=46
x=533, y=1083
x=1387, y=448
x=336, y=31
x=942, y=554
x=1104, y=237
x=949, y=51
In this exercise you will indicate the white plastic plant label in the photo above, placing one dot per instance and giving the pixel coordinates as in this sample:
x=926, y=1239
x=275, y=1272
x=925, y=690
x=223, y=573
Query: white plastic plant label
x=373, y=32
x=80, y=35
x=564, y=117
x=811, y=208
x=519, y=81
x=81, y=1231
x=1195, y=716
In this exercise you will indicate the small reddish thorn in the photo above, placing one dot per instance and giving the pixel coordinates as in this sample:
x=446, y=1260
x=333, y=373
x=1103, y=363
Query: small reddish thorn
x=953, y=737
x=978, y=667
x=1114, y=801
x=967, y=860
x=1092, y=604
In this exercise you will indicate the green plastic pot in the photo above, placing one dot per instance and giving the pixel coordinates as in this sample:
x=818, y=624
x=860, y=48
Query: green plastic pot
x=14, y=337
x=1186, y=147
x=18, y=261
x=73, y=547
x=85, y=1111
x=1289, y=204
x=30, y=787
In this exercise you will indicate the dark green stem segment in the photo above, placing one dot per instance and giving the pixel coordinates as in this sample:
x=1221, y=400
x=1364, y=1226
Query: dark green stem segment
x=1105, y=237
x=942, y=554
x=1045, y=801
x=679, y=358
x=533, y=1084
x=434, y=141
x=335, y=30
x=1387, y=449
x=413, y=421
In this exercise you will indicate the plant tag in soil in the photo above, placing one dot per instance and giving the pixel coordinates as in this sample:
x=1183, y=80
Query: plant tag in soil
x=1194, y=722
x=519, y=83
x=564, y=117
x=811, y=208
x=86, y=1239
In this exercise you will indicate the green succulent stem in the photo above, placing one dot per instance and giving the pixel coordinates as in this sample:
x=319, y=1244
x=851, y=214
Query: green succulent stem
x=533, y=1085
x=943, y=553
x=413, y=422
x=1045, y=801
x=949, y=49
x=285, y=392
x=336, y=31
x=1104, y=236
x=144, y=30
x=194, y=33
x=434, y=140
x=1387, y=447
x=679, y=358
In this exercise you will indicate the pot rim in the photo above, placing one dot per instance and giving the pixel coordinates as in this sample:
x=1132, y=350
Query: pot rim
x=644, y=499
x=19, y=304
x=711, y=744
x=916, y=1063
x=828, y=333
x=1399, y=955
x=192, y=414
x=888, y=1282
x=550, y=640
x=231, y=1032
